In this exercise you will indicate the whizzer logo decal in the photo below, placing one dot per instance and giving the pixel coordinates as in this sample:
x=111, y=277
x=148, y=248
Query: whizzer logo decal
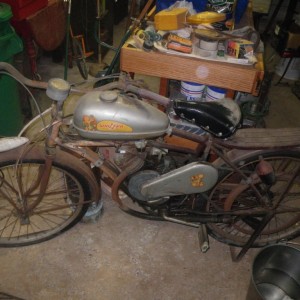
x=113, y=126
x=197, y=180
x=89, y=123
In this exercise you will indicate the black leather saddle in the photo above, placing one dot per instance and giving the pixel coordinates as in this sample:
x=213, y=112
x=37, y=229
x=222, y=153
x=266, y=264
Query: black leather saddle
x=220, y=118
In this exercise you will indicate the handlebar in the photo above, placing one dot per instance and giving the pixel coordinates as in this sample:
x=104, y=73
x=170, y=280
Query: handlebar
x=124, y=83
x=16, y=74
x=149, y=95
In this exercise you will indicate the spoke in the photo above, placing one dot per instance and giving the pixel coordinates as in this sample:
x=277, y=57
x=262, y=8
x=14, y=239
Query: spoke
x=50, y=220
x=287, y=215
x=9, y=187
x=7, y=215
x=48, y=223
x=60, y=206
x=5, y=207
x=7, y=225
x=58, y=192
x=41, y=211
x=9, y=182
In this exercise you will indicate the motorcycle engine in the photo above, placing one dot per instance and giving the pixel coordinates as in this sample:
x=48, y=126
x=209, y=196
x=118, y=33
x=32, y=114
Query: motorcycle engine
x=114, y=116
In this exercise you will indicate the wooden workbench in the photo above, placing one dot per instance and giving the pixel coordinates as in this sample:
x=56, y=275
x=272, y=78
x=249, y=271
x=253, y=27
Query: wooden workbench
x=244, y=78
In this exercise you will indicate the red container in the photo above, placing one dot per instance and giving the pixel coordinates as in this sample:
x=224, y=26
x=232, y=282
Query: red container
x=21, y=3
x=24, y=8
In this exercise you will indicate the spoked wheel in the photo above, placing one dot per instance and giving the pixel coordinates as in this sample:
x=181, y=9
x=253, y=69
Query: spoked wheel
x=80, y=58
x=233, y=193
x=24, y=219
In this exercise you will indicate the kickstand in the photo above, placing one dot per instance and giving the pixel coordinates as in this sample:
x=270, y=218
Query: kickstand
x=236, y=257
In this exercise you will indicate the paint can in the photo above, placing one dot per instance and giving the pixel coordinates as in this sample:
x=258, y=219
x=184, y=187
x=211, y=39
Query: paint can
x=214, y=93
x=193, y=91
x=208, y=44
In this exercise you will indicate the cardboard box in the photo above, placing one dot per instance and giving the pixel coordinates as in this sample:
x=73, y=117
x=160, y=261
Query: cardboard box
x=239, y=48
x=170, y=19
x=293, y=40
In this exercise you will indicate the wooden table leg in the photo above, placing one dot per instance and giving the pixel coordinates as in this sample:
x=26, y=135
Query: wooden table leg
x=164, y=87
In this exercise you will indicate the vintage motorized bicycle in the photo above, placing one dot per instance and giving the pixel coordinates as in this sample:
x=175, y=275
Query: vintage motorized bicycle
x=242, y=185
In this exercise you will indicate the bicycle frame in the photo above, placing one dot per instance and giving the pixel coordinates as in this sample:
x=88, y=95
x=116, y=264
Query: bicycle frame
x=207, y=144
x=227, y=153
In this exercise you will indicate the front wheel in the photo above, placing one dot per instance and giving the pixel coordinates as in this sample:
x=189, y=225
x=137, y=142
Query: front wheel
x=24, y=219
x=233, y=193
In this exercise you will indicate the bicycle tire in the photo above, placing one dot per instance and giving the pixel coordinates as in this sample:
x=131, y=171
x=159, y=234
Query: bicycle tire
x=282, y=227
x=80, y=58
x=62, y=206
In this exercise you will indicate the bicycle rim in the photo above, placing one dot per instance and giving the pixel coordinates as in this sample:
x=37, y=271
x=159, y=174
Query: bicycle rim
x=61, y=207
x=283, y=226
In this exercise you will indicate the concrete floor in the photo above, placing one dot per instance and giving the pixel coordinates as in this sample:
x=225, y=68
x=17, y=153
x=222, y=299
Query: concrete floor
x=122, y=257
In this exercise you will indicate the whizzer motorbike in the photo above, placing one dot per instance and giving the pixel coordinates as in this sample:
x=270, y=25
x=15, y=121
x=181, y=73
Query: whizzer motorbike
x=241, y=186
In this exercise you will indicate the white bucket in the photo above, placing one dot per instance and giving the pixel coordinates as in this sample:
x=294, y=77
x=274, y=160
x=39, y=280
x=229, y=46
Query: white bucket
x=293, y=72
x=193, y=91
x=215, y=93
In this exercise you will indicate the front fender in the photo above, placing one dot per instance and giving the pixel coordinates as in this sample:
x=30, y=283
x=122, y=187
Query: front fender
x=60, y=158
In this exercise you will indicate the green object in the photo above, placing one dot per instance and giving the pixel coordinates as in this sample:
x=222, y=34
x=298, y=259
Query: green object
x=11, y=119
x=67, y=40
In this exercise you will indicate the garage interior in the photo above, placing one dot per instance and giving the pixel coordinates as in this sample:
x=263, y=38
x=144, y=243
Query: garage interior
x=118, y=256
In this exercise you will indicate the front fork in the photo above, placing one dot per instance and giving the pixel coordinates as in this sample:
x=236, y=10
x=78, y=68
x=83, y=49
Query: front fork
x=42, y=179
x=41, y=182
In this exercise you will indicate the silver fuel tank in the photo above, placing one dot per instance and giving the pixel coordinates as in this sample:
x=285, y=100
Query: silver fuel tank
x=110, y=115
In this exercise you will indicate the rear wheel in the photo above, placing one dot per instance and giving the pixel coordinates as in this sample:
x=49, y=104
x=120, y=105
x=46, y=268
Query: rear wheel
x=232, y=193
x=25, y=220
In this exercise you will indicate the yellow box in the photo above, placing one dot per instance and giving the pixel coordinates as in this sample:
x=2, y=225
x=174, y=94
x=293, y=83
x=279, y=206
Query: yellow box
x=170, y=19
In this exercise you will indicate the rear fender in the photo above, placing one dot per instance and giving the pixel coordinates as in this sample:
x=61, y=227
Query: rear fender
x=236, y=155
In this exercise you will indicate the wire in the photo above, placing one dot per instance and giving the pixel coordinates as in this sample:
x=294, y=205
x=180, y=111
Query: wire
x=32, y=97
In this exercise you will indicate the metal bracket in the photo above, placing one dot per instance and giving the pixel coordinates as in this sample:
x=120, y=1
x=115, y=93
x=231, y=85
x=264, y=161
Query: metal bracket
x=237, y=257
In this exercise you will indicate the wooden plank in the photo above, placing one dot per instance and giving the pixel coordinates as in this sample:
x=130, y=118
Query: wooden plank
x=220, y=74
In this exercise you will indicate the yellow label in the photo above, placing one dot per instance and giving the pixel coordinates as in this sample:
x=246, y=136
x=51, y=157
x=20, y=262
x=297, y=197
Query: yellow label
x=113, y=126
x=197, y=180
